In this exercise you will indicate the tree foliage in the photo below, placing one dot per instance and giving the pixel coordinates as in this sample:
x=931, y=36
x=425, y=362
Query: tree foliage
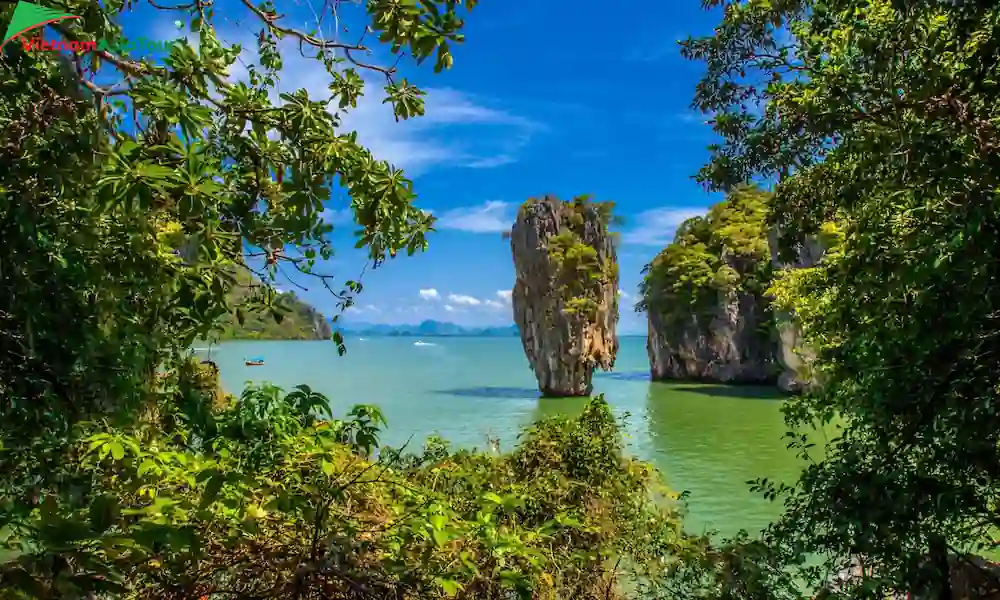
x=721, y=253
x=276, y=316
x=582, y=269
x=880, y=116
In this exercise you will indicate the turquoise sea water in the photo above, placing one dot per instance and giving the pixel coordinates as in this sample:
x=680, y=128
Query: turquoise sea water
x=706, y=439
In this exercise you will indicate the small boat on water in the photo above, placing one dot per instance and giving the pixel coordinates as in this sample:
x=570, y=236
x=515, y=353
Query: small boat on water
x=257, y=361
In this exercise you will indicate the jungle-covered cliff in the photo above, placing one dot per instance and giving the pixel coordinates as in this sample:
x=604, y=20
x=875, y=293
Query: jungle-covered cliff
x=565, y=297
x=709, y=299
x=704, y=295
x=255, y=311
x=291, y=319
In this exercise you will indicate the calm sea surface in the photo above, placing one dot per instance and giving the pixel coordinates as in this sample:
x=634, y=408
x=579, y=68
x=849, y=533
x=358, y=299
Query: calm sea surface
x=707, y=439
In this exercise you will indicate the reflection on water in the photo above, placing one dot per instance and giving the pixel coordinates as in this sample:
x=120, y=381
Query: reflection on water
x=712, y=444
x=624, y=375
x=491, y=392
x=757, y=392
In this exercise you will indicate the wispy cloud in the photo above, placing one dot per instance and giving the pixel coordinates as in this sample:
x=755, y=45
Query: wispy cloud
x=457, y=129
x=463, y=300
x=505, y=295
x=430, y=294
x=495, y=304
x=449, y=308
x=492, y=216
x=363, y=309
x=337, y=217
x=492, y=161
x=656, y=227
x=692, y=117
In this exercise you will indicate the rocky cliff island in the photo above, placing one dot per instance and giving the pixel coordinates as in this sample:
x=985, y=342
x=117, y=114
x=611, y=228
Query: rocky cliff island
x=290, y=319
x=565, y=297
x=705, y=297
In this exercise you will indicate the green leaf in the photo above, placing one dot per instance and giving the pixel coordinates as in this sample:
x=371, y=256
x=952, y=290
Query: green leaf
x=154, y=171
x=492, y=497
x=117, y=451
x=449, y=586
x=212, y=489
x=440, y=537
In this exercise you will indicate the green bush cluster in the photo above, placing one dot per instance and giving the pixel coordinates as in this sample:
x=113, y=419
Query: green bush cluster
x=724, y=252
x=581, y=273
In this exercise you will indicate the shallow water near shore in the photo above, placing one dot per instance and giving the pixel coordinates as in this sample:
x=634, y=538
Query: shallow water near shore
x=707, y=439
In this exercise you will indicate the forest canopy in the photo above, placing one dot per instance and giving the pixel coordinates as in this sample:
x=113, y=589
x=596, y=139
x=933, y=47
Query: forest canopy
x=290, y=318
x=722, y=252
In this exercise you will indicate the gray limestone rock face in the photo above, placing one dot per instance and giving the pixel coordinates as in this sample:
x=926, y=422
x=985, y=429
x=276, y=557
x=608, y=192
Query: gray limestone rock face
x=726, y=345
x=320, y=325
x=793, y=355
x=563, y=347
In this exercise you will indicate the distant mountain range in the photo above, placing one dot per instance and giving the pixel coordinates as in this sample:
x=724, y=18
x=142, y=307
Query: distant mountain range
x=425, y=329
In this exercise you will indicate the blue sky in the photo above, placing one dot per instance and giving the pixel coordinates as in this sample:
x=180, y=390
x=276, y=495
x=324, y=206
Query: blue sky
x=562, y=97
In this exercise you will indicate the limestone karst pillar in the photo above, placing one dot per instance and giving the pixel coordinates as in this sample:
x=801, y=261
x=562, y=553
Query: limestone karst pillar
x=565, y=297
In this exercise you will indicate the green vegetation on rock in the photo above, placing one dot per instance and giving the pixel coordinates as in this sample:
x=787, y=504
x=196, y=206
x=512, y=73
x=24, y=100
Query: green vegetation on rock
x=722, y=253
x=565, y=294
x=286, y=316
x=581, y=272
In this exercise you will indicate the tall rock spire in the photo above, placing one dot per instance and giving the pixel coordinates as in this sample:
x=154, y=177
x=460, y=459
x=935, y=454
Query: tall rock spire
x=565, y=297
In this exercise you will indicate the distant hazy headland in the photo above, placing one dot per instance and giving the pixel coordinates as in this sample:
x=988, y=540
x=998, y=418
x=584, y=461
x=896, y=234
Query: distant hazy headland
x=427, y=328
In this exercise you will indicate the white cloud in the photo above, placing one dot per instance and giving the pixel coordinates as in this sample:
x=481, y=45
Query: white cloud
x=693, y=117
x=367, y=308
x=490, y=162
x=449, y=308
x=430, y=294
x=337, y=217
x=457, y=129
x=658, y=226
x=623, y=295
x=466, y=300
x=505, y=294
x=492, y=216
x=495, y=304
